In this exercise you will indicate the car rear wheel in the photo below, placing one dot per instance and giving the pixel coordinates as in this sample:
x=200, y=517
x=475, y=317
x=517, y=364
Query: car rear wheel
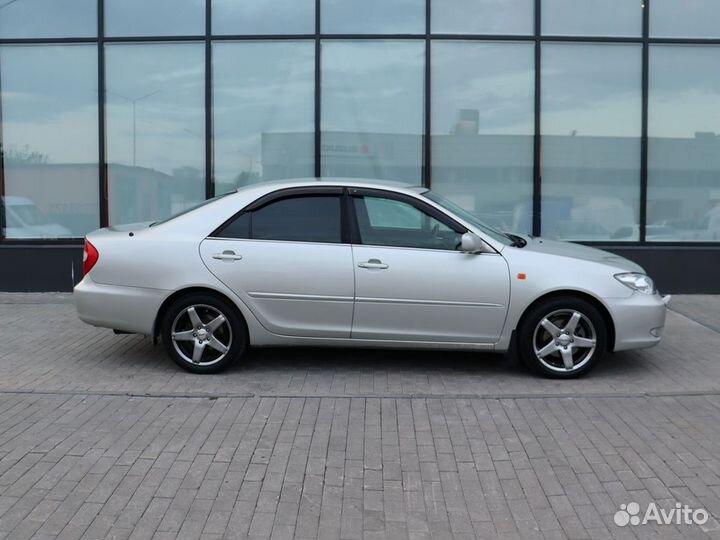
x=203, y=333
x=562, y=337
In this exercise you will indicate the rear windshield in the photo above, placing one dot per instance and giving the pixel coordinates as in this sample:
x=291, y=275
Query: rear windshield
x=191, y=208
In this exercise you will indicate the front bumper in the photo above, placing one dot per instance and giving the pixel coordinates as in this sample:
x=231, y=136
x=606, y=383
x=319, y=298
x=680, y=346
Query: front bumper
x=129, y=309
x=639, y=320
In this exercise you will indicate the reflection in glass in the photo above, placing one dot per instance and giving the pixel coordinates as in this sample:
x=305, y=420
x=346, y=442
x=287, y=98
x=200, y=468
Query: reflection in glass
x=482, y=16
x=263, y=111
x=263, y=17
x=48, y=18
x=372, y=16
x=372, y=109
x=592, y=17
x=50, y=140
x=155, y=129
x=684, y=143
x=591, y=115
x=685, y=18
x=154, y=17
x=482, y=129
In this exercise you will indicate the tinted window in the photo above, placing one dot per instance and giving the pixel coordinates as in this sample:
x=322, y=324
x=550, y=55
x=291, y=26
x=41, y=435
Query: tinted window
x=482, y=129
x=389, y=222
x=591, y=126
x=683, y=144
x=263, y=115
x=300, y=219
x=49, y=143
x=154, y=18
x=155, y=129
x=372, y=109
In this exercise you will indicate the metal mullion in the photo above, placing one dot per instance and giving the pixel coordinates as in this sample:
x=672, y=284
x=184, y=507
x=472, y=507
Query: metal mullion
x=151, y=39
x=427, y=136
x=594, y=39
x=484, y=37
x=683, y=41
x=262, y=37
x=209, y=179
x=46, y=41
x=317, y=96
x=102, y=165
x=537, y=148
x=2, y=170
x=644, y=123
x=373, y=37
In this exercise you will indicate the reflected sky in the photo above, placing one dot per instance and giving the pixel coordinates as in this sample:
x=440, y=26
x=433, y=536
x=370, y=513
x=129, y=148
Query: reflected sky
x=263, y=17
x=58, y=120
x=591, y=89
x=166, y=82
x=593, y=17
x=497, y=80
x=372, y=16
x=261, y=88
x=48, y=18
x=685, y=18
x=684, y=90
x=373, y=86
x=482, y=16
x=154, y=17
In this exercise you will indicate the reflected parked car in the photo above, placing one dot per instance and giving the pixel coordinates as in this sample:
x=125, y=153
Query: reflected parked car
x=361, y=264
x=25, y=220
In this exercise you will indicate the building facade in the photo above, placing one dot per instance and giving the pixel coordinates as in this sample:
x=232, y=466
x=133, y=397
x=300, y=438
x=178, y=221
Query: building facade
x=595, y=121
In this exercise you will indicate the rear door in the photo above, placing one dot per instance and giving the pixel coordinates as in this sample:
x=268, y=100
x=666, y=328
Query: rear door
x=286, y=257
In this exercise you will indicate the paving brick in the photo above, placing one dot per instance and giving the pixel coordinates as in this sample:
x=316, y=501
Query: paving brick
x=357, y=452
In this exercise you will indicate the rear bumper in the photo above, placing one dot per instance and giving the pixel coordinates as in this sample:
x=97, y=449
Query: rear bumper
x=129, y=309
x=639, y=320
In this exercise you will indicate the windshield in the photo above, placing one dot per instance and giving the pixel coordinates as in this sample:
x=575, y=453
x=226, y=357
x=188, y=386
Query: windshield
x=467, y=216
x=190, y=209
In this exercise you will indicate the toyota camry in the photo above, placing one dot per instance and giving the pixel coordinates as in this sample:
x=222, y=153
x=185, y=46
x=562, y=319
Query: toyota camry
x=361, y=264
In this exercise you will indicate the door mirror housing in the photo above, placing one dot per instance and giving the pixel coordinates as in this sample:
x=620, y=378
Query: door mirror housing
x=472, y=243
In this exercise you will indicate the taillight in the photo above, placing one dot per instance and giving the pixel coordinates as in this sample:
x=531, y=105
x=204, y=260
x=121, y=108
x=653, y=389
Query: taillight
x=90, y=257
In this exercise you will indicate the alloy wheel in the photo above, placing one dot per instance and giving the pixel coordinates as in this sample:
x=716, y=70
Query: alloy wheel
x=201, y=335
x=564, y=340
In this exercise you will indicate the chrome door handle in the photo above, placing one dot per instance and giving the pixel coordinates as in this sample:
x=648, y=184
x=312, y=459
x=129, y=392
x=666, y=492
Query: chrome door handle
x=374, y=263
x=227, y=255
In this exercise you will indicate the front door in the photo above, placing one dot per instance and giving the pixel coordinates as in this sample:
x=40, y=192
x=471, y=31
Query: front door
x=287, y=262
x=411, y=281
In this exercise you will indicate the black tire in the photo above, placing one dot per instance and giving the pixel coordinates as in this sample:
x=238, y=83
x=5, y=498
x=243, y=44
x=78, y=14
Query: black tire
x=231, y=333
x=546, y=351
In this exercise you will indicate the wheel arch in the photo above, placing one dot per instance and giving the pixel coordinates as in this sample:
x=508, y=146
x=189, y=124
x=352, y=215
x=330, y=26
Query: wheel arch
x=609, y=323
x=183, y=292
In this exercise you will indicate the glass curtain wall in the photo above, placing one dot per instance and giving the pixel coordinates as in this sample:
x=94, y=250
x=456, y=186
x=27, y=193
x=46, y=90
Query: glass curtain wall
x=588, y=121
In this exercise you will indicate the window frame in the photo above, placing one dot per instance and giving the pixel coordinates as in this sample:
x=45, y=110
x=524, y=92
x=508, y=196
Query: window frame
x=284, y=194
x=418, y=204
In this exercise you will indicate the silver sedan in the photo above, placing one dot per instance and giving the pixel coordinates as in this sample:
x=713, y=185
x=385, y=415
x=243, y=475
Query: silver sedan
x=361, y=264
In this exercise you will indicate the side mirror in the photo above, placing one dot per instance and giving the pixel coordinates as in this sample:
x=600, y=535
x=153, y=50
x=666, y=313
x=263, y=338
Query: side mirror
x=471, y=243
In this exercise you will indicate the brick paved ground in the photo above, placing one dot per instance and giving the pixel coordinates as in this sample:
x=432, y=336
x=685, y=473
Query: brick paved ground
x=337, y=444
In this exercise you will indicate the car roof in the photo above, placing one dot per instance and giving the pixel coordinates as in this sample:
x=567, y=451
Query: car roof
x=333, y=181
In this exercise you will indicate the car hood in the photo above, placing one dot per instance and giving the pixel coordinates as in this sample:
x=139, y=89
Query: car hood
x=577, y=251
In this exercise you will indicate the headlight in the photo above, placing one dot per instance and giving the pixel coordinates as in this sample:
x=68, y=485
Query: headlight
x=637, y=282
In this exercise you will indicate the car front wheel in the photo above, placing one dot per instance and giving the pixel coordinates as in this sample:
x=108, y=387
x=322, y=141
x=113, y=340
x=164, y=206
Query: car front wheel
x=562, y=337
x=203, y=333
